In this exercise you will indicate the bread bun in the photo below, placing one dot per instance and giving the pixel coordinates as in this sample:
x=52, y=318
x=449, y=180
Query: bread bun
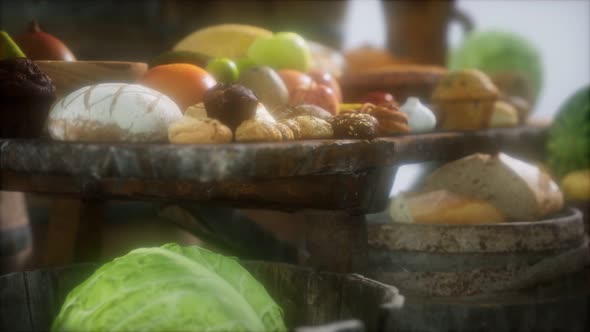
x=199, y=131
x=113, y=112
x=443, y=207
x=313, y=128
x=258, y=131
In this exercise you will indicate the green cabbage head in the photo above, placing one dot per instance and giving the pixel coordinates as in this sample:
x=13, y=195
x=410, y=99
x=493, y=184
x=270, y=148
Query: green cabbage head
x=568, y=144
x=170, y=288
x=499, y=51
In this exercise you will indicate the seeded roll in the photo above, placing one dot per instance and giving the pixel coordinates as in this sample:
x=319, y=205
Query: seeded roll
x=355, y=125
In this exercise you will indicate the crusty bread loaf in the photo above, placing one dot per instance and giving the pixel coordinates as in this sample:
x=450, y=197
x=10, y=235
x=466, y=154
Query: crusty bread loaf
x=443, y=207
x=520, y=190
x=113, y=112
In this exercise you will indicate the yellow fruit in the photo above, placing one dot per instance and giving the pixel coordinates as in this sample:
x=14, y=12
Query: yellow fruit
x=224, y=40
x=576, y=185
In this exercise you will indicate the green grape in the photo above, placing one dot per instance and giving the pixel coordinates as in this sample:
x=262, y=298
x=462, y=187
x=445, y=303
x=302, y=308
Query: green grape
x=223, y=69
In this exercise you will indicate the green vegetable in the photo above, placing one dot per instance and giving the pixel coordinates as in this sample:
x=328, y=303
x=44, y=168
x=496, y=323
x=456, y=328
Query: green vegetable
x=568, y=145
x=499, y=52
x=8, y=48
x=171, y=288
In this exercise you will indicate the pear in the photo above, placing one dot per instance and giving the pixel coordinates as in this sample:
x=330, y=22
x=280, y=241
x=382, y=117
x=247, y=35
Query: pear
x=267, y=85
x=8, y=48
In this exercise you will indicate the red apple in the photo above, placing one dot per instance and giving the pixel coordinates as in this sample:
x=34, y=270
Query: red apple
x=378, y=98
x=294, y=79
x=316, y=94
x=328, y=80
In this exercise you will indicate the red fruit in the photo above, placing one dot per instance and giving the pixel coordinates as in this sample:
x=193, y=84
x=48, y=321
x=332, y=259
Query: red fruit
x=39, y=45
x=378, y=98
x=294, y=79
x=328, y=80
x=316, y=94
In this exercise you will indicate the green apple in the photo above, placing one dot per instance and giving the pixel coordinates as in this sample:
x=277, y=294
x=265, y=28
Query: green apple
x=284, y=50
x=244, y=64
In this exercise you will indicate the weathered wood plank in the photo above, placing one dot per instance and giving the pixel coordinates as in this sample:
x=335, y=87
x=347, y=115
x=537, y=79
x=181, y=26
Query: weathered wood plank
x=14, y=309
x=354, y=175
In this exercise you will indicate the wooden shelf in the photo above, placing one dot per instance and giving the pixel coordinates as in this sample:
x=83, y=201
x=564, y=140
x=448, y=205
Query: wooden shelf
x=351, y=175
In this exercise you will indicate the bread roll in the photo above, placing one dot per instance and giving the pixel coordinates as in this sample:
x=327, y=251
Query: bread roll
x=258, y=131
x=443, y=207
x=199, y=131
x=313, y=128
x=520, y=190
x=113, y=112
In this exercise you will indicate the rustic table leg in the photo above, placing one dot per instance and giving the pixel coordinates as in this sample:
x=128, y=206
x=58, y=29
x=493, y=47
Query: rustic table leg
x=74, y=231
x=336, y=242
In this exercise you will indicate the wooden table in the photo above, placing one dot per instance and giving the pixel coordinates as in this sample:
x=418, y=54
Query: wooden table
x=334, y=182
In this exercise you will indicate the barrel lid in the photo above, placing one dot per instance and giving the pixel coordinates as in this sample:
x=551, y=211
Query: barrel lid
x=562, y=231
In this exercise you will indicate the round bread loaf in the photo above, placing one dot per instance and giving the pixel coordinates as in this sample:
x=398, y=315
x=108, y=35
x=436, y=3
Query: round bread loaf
x=113, y=112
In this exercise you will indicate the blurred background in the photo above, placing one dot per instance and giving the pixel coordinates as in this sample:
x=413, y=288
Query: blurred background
x=140, y=30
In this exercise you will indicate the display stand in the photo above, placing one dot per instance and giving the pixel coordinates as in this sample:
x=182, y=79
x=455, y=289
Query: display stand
x=333, y=182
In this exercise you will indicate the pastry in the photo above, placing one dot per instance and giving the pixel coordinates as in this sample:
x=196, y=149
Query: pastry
x=196, y=111
x=355, y=125
x=464, y=100
x=504, y=115
x=199, y=130
x=258, y=131
x=420, y=118
x=231, y=104
x=113, y=112
x=26, y=93
x=520, y=190
x=390, y=119
x=286, y=132
x=294, y=126
x=285, y=112
x=443, y=207
x=313, y=128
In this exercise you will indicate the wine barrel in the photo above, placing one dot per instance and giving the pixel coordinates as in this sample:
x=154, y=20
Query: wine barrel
x=525, y=276
x=30, y=300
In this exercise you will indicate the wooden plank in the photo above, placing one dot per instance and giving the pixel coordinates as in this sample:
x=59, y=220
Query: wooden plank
x=349, y=192
x=41, y=299
x=210, y=163
x=62, y=231
x=14, y=309
x=336, y=242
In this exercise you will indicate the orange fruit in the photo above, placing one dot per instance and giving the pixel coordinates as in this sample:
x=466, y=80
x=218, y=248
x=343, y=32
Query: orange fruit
x=184, y=83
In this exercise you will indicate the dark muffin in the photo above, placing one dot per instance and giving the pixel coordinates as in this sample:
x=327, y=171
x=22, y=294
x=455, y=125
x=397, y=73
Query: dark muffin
x=26, y=94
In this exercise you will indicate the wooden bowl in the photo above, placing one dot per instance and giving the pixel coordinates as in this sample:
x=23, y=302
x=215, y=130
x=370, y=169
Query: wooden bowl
x=402, y=81
x=69, y=76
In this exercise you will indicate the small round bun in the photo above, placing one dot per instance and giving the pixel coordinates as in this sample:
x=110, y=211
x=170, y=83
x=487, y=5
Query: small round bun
x=355, y=125
x=313, y=128
x=294, y=126
x=256, y=130
x=199, y=131
x=286, y=132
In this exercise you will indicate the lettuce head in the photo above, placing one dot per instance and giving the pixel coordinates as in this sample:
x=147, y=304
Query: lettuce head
x=170, y=288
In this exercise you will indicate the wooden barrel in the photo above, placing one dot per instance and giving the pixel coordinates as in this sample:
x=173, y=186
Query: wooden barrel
x=524, y=276
x=30, y=300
